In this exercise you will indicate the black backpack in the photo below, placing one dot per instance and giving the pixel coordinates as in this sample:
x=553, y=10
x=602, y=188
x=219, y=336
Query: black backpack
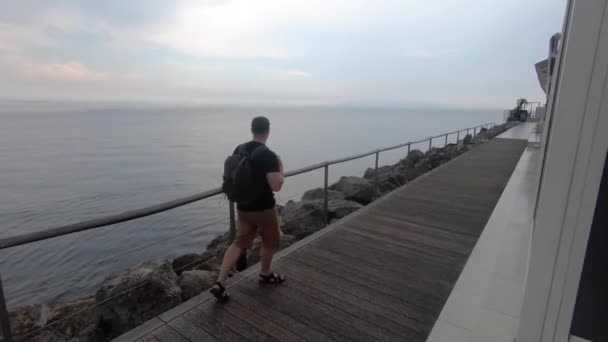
x=239, y=185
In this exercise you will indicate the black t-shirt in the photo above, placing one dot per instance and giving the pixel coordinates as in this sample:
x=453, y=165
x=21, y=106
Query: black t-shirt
x=265, y=162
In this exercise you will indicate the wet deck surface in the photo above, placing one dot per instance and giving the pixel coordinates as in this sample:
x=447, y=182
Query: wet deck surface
x=383, y=273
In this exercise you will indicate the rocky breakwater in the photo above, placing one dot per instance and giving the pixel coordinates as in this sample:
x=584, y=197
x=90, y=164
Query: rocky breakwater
x=128, y=298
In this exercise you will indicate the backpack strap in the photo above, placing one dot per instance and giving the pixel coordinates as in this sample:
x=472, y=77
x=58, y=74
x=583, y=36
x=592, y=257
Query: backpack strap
x=257, y=151
x=242, y=150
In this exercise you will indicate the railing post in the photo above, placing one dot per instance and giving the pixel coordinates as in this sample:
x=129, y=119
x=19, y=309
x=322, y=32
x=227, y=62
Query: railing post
x=5, y=324
x=458, y=137
x=376, y=175
x=409, y=147
x=474, y=131
x=467, y=131
x=430, y=143
x=326, y=195
x=232, y=221
x=446, y=141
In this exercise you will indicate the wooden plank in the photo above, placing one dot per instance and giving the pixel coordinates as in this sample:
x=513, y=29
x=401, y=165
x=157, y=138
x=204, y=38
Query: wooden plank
x=413, y=233
x=407, y=267
x=268, y=312
x=391, y=254
x=446, y=218
x=396, y=303
x=164, y=334
x=363, y=265
x=219, y=315
x=427, y=248
x=308, y=310
x=401, y=280
x=190, y=330
x=140, y=331
x=371, y=221
x=389, y=329
x=365, y=320
x=271, y=328
x=462, y=198
x=377, y=283
x=445, y=194
x=219, y=324
x=430, y=222
x=351, y=295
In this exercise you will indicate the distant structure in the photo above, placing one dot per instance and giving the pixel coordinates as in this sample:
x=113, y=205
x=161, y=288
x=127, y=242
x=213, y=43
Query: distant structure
x=545, y=69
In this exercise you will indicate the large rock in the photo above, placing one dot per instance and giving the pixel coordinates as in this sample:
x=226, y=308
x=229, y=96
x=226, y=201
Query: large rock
x=212, y=259
x=481, y=137
x=437, y=156
x=186, y=262
x=339, y=208
x=356, y=189
x=128, y=298
x=393, y=180
x=76, y=328
x=370, y=173
x=318, y=193
x=412, y=173
x=302, y=218
x=195, y=282
x=468, y=139
x=412, y=158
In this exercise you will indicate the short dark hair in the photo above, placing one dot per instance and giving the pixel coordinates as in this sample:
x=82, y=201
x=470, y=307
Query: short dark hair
x=260, y=125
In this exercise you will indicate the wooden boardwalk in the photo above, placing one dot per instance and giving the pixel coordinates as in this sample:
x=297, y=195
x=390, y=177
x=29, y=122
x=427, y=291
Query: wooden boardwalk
x=383, y=273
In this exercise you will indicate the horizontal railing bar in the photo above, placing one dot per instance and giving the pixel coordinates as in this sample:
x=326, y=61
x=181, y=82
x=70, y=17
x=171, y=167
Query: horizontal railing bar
x=305, y=169
x=105, y=221
x=356, y=156
x=26, y=238
x=394, y=147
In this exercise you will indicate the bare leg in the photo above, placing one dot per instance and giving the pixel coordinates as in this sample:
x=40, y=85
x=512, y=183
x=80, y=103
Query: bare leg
x=230, y=258
x=265, y=259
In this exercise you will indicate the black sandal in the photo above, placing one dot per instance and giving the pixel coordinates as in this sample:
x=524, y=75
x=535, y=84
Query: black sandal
x=219, y=292
x=272, y=278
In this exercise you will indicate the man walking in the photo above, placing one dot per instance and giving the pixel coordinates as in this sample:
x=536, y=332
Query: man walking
x=258, y=212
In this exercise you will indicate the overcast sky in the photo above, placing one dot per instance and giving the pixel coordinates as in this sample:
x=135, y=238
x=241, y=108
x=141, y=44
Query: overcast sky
x=466, y=53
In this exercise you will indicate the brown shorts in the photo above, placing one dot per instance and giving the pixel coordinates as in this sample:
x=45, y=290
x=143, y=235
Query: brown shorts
x=266, y=222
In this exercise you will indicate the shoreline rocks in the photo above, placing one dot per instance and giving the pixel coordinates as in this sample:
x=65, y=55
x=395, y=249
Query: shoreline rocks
x=128, y=298
x=356, y=189
x=82, y=327
x=195, y=282
x=152, y=289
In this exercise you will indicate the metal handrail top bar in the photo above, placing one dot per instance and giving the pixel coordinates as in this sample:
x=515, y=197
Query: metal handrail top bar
x=22, y=239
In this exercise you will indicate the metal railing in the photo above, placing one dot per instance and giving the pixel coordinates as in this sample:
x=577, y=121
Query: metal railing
x=27, y=238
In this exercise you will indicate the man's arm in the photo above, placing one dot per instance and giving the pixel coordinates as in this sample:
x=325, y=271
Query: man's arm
x=276, y=179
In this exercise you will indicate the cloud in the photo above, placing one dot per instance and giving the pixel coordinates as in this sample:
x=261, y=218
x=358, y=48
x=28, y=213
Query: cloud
x=270, y=48
x=16, y=37
x=246, y=28
x=296, y=73
x=422, y=54
x=68, y=71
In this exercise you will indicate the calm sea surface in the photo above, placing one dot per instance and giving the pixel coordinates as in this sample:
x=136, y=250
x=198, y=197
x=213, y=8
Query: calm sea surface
x=62, y=163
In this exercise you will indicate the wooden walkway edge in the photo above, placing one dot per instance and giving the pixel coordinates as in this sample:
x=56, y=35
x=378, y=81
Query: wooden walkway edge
x=380, y=274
